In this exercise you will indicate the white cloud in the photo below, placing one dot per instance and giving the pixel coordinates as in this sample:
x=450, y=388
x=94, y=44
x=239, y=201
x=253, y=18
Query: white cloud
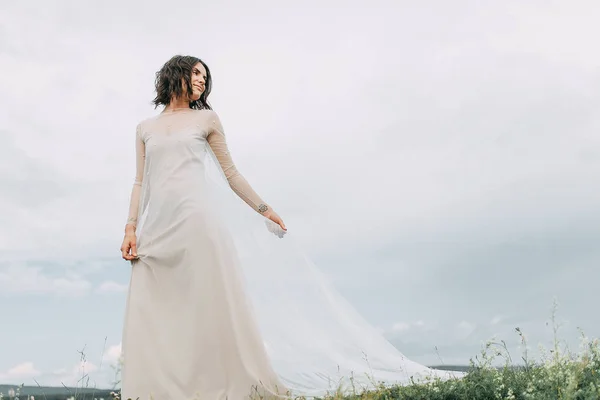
x=86, y=373
x=23, y=280
x=25, y=370
x=83, y=374
x=113, y=354
x=427, y=119
x=400, y=326
x=404, y=326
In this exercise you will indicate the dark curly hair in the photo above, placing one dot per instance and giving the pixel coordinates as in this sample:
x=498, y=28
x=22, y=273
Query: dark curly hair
x=168, y=82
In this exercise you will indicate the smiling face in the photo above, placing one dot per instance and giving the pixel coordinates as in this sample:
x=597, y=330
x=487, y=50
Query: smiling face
x=198, y=81
x=195, y=83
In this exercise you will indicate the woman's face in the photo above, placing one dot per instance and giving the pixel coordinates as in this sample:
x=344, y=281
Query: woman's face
x=198, y=81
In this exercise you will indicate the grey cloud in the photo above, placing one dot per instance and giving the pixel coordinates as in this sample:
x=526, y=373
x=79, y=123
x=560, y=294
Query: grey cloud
x=438, y=160
x=26, y=181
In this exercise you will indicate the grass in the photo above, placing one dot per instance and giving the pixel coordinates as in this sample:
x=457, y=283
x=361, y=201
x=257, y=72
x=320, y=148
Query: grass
x=558, y=375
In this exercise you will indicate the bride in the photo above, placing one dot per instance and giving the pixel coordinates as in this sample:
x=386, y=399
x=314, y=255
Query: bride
x=222, y=304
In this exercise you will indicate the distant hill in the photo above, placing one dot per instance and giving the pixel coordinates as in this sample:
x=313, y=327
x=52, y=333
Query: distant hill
x=56, y=393
x=459, y=368
x=466, y=368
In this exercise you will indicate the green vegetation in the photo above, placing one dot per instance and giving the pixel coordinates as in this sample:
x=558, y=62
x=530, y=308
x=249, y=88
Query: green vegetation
x=559, y=375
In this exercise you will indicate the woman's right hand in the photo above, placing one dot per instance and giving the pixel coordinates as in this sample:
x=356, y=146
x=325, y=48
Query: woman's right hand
x=129, y=246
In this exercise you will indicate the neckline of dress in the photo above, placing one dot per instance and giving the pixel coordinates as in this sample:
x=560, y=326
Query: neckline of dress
x=173, y=111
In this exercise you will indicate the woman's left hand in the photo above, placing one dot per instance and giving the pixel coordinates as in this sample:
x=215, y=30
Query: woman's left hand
x=273, y=216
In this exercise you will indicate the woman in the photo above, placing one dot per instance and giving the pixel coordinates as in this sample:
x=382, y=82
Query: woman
x=220, y=307
x=173, y=350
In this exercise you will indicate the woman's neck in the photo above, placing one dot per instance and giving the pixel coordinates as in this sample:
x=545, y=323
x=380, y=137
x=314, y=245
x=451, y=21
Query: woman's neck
x=177, y=104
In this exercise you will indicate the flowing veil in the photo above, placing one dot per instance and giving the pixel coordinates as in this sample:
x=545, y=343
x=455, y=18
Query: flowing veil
x=315, y=339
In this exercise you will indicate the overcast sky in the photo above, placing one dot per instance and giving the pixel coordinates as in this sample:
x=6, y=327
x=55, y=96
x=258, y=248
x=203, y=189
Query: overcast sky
x=440, y=160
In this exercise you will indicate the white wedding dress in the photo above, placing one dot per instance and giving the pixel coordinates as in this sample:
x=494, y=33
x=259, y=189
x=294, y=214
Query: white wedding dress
x=222, y=304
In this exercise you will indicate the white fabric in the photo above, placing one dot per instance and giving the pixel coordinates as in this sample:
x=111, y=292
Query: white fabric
x=221, y=303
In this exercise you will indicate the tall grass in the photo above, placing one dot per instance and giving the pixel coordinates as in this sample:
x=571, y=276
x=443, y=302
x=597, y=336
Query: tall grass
x=559, y=374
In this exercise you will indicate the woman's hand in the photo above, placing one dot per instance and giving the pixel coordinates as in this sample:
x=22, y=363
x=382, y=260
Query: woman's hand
x=272, y=215
x=129, y=246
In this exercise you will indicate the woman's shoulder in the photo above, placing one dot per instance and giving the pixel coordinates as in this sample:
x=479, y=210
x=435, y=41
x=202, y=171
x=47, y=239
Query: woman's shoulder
x=145, y=121
x=148, y=120
x=205, y=116
x=209, y=113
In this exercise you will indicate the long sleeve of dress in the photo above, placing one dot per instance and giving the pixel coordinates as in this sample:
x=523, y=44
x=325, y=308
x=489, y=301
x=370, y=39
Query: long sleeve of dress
x=217, y=141
x=140, y=158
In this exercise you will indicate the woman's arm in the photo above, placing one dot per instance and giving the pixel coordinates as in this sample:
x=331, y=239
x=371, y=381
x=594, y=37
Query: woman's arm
x=140, y=158
x=216, y=140
x=129, y=245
